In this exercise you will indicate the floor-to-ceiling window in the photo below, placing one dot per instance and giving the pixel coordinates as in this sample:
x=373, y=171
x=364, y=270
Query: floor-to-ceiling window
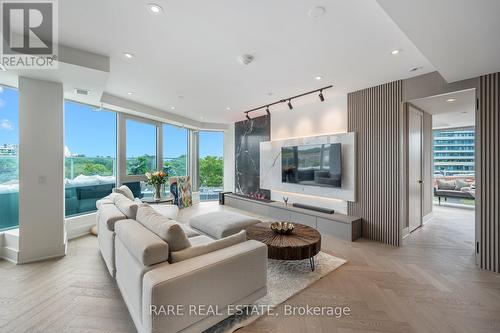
x=9, y=162
x=175, y=150
x=141, y=154
x=90, y=156
x=211, y=164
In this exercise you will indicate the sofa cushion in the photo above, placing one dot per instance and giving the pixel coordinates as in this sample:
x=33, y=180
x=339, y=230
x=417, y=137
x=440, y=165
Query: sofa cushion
x=222, y=223
x=168, y=230
x=204, y=248
x=446, y=184
x=190, y=232
x=125, y=191
x=460, y=183
x=145, y=246
x=125, y=205
x=200, y=240
x=109, y=215
x=170, y=211
x=103, y=201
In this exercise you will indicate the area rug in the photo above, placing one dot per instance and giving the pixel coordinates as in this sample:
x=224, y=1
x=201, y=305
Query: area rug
x=284, y=279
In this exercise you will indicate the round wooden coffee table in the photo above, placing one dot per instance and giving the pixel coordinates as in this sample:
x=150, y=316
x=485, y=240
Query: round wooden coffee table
x=302, y=243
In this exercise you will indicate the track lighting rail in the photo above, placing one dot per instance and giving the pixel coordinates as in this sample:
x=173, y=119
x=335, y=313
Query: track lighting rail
x=288, y=101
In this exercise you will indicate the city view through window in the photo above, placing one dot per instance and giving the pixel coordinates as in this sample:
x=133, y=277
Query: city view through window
x=454, y=165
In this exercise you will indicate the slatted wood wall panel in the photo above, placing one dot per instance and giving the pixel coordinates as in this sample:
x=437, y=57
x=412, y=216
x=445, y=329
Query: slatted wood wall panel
x=487, y=171
x=375, y=114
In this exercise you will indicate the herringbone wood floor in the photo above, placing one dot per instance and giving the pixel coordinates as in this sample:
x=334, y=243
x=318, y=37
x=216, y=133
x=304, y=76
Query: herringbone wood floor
x=429, y=285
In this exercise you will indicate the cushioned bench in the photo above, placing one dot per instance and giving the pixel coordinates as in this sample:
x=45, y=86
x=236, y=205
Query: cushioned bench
x=222, y=224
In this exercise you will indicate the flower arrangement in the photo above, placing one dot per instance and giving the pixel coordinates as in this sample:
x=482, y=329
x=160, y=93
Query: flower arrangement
x=157, y=179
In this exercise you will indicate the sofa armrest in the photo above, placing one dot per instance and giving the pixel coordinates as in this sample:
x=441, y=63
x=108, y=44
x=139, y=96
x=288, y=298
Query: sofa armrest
x=218, y=278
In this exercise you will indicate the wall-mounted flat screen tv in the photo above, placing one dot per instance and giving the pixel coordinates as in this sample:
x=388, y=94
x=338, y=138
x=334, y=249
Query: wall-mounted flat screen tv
x=315, y=165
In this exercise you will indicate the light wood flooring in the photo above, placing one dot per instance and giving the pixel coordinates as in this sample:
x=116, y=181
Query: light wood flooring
x=429, y=285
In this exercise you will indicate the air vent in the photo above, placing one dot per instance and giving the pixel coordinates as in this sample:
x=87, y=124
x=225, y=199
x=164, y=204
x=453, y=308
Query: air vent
x=84, y=92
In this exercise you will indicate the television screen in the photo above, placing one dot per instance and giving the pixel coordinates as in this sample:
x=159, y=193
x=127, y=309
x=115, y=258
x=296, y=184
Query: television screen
x=316, y=165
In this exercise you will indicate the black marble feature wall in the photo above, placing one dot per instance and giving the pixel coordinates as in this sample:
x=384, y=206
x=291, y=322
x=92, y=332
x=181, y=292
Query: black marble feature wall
x=248, y=135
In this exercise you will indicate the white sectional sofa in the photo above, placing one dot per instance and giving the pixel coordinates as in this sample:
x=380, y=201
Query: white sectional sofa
x=159, y=263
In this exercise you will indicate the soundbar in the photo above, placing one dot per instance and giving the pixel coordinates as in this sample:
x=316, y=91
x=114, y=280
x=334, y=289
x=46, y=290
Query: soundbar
x=317, y=209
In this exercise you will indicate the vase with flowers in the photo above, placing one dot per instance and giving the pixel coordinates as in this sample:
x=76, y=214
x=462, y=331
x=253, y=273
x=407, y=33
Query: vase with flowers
x=157, y=179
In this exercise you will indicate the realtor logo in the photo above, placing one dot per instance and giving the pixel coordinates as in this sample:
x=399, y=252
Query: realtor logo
x=29, y=34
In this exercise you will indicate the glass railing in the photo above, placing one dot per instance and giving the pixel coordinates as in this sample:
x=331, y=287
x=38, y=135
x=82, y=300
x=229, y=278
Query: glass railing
x=87, y=179
x=210, y=193
x=9, y=192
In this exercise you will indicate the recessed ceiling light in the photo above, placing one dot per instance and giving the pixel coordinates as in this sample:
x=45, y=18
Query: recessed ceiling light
x=172, y=108
x=396, y=51
x=319, y=77
x=416, y=68
x=316, y=12
x=128, y=55
x=228, y=109
x=449, y=100
x=154, y=8
x=130, y=93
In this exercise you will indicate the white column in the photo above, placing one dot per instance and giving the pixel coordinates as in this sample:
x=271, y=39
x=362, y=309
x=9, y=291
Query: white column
x=41, y=170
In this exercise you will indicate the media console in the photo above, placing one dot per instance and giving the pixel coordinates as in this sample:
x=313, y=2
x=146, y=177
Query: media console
x=342, y=226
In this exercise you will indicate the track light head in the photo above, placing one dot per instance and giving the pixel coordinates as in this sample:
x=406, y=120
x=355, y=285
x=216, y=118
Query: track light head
x=248, y=117
x=267, y=110
x=321, y=97
x=290, y=106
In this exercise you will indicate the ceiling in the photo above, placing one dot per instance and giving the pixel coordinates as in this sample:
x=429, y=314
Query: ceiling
x=186, y=57
x=459, y=111
x=459, y=37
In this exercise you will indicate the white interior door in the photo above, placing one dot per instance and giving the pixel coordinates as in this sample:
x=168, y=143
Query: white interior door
x=415, y=159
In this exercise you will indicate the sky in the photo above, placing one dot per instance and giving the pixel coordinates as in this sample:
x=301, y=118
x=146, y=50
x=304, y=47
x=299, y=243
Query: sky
x=93, y=133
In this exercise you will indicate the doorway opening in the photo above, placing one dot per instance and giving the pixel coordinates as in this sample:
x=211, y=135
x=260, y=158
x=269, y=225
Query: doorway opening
x=441, y=168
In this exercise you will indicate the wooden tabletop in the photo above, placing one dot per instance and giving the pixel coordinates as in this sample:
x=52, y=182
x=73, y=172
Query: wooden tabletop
x=304, y=242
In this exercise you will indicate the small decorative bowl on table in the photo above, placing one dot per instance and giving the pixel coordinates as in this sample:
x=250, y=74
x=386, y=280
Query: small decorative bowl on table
x=282, y=228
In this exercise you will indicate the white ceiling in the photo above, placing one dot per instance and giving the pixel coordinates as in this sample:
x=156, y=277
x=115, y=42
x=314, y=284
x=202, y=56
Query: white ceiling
x=459, y=113
x=459, y=37
x=191, y=50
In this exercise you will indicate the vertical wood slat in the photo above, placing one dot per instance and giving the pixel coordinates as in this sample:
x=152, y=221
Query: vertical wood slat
x=375, y=115
x=487, y=172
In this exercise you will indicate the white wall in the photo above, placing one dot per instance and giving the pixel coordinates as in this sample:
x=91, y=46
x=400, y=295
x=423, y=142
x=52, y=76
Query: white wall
x=229, y=161
x=311, y=118
x=41, y=170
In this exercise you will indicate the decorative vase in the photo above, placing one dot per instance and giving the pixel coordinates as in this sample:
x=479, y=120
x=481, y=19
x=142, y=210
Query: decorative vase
x=157, y=195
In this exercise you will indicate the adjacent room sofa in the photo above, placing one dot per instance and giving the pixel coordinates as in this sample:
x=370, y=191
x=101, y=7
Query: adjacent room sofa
x=159, y=263
x=457, y=188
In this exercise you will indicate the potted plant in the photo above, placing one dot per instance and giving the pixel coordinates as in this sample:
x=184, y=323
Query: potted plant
x=157, y=179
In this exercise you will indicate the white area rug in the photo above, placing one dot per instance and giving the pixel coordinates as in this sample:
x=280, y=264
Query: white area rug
x=284, y=279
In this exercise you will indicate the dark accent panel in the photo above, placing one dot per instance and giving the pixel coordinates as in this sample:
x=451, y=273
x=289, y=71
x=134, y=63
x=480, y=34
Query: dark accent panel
x=487, y=171
x=376, y=115
x=248, y=135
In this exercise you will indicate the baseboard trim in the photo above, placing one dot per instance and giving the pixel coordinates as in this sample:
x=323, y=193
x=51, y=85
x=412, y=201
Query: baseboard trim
x=427, y=218
x=47, y=253
x=79, y=226
x=9, y=254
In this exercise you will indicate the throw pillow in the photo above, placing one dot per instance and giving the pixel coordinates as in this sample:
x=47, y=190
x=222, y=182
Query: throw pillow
x=126, y=206
x=195, y=251
x=168, y=230
x=125, y=191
